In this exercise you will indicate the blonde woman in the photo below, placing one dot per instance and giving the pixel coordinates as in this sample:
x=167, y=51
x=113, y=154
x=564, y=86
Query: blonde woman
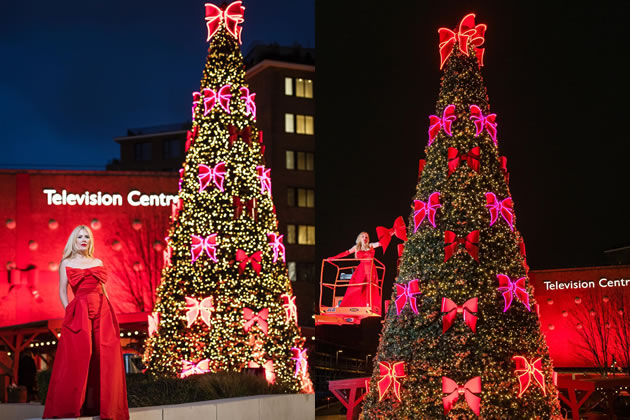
x=88, y=377
x=357, y=293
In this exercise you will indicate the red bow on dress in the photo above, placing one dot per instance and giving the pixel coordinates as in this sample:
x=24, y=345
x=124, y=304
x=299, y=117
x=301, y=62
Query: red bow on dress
x=232, y=16
x=469, y=390
x=496, y=206
x=195, y=308
x=435, y=123
x=210, y=97
x=525, y=371
x=290, y=308
x=467, y=31
x=191, y=368
x=190, y=137
x=385, y=235
x=407, y=293
x=275, y=241
x=390, y=375
x=248, y=205
x=252, y=318
x=489, y=122
x=421, y=164
x=428, y=209
x=200, y=244
x=208, y=175
x=471, y=242
x=454, y=158
x=250, y=105
x=503, y=165
x=245, y=134
x=196, y=101
x=510, y=288
x=244, y=259
x=265, y=179
x=154, y=322
x=450, y=310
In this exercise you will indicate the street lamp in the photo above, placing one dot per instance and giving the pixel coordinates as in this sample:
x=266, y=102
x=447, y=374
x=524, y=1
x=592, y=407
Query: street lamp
x=366, y=359
x=337, y=356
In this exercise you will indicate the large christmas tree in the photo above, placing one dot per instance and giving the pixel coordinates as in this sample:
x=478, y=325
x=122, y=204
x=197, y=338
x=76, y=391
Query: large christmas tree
x=225, y=302
x=462, y=336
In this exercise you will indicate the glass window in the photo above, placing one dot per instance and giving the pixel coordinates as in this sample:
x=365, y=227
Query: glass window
x=289, y=123
x=290, y=159
x=301, y=161
x=290, y=234
x=305, y=197
x=310, y=198
x=288, y=86
x=172, y=149
x=310, y=162
x=292, y=272
x=143, y=151
x=301, y=124
x=306, y=235
x=303, y=88
x=291, y=197
x=308, y=88
x=309, y=125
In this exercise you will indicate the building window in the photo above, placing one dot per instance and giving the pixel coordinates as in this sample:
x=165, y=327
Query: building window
x=306, y=235
x=302, y=161
x=291, y=197
x=290, y=159
x=303, y=88
x=292, y=272
x=288, y=86
x=305, y=124
x=290, y=234
x=305, y=197
x=307, y=272
x=172, y=149
x=289, y=123
x=143, y=151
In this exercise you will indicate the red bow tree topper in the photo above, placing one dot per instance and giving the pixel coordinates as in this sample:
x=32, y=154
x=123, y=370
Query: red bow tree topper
x=526, y=371
x=231, y=16
x=466, y=32
x=391, y=373
x=469, y=390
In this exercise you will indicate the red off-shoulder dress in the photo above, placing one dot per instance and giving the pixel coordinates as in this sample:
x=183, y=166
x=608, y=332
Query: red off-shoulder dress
x=358, y=294
x=88, y=376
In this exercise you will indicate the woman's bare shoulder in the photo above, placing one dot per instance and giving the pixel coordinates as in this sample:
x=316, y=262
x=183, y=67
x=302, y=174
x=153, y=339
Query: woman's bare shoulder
x=98, y=262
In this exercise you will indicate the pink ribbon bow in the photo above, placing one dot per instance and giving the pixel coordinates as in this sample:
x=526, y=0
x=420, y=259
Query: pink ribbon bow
x=290, y=308
x=275, y=242
x=209, y=175
x=467, y=31
x=191, y=368
x=407, y=293
x=210, y=98
x=196, y=308
x=301, y=364
x=232, y=16
x=525, y=371
x=436, y=123
x=428, y=209
x=390, y=375
x=450, y=311
x=244, y=259
x=270, y=375
x=250, y=105
x=265, y=179
x=200, y=244
x=489, y=122
x=469, y=390
x=252, y=318
x=510, y=288
x=496, y=206
x=154, y=322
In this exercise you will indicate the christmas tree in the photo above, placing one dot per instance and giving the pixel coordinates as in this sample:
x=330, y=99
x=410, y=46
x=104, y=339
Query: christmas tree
x=225, y=302
x=462, y=337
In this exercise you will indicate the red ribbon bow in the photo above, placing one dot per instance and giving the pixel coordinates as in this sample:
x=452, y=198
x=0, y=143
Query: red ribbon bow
x=391, y=373
x=208, y=175
x=252, y=318
x=275, y=241
x=200, y=244
x=190, y=137
x=489, y=122
x=407, y=293
x=232, y=16
x=450, y=310
x=496, y=206
x=421, y=164
x=467, y=31
x=210, y=97
x=248, y=205
x=471, y=243
x=435, y=123
x=454, y=158
x=265, y=179
x=245, y=134
x=428, y=209
x=469, y=390
x=290, y=308
x=385, y=235
x=244, y=259
x=195, y=308
x=525, y=371
x=191, y=368
x=250, y=105
x=510, y=288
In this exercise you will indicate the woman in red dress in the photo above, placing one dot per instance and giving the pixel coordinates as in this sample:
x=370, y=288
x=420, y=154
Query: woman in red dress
x=357, y=294
x=88, y=376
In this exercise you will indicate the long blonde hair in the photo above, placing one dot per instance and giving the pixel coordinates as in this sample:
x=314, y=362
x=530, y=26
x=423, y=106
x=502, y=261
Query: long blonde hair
x=71, y=250
x=360, y=246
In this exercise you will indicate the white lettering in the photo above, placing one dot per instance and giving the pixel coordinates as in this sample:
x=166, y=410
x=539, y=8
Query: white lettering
x=49, y=193
x=72, y=199
x=57, y=199
x=107, y=200
x=134, y=198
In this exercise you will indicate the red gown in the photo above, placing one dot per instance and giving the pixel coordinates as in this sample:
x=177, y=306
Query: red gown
x=358, y=296
x=88, y=376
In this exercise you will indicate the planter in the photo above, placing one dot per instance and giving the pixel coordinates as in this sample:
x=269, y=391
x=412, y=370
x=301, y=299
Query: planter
x=16, y=394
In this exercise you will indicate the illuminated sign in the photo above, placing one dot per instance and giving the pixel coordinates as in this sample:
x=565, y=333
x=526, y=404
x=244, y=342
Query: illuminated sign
x=603, y=282
x=135, y=198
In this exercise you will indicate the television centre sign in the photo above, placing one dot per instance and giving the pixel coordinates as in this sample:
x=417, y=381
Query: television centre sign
x=603, y=282
x=134, y=198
